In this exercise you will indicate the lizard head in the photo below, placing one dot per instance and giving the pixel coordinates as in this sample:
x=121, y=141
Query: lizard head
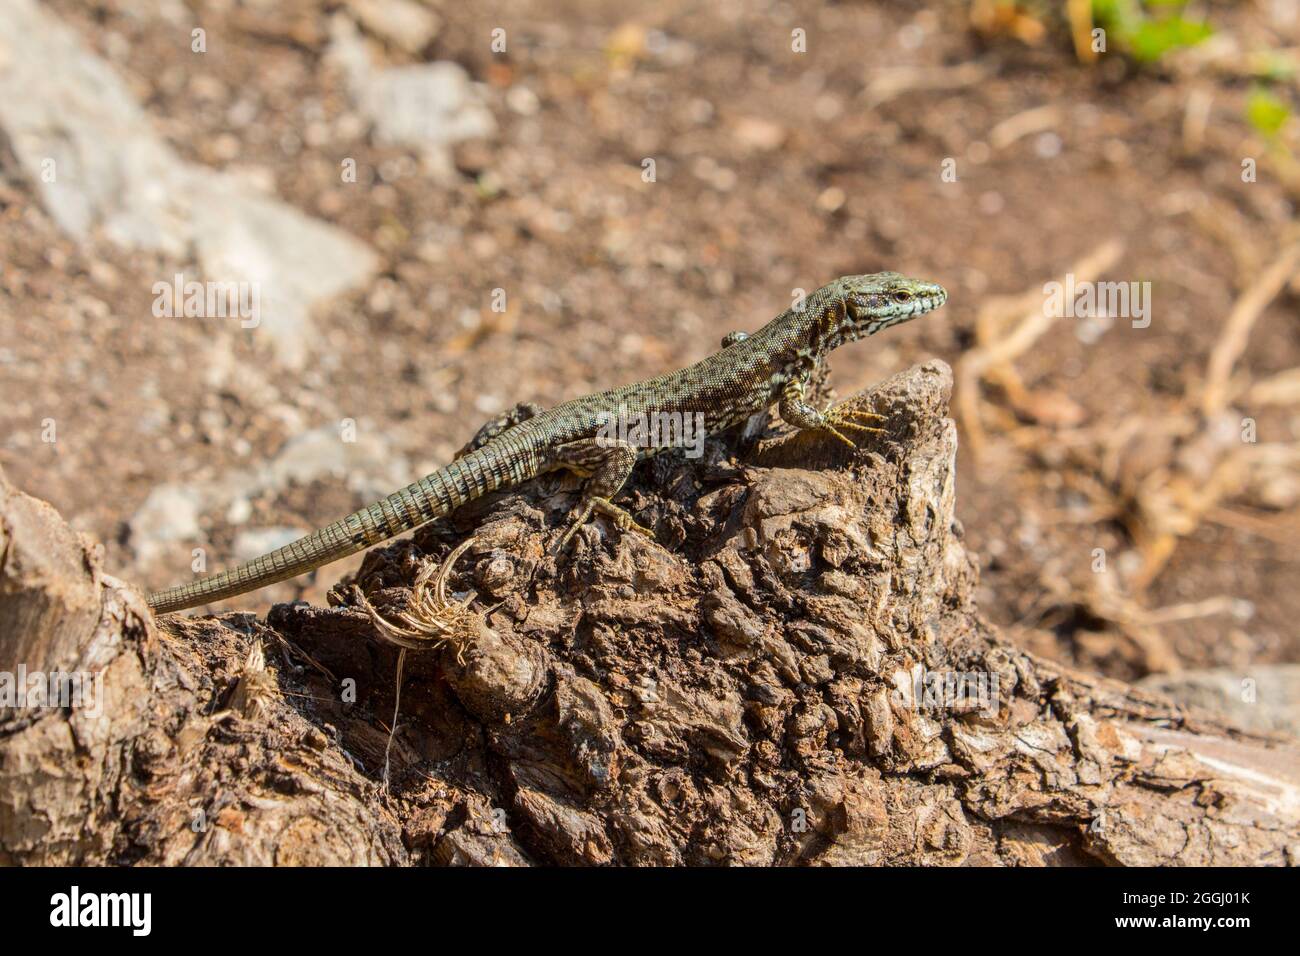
x=877, y=301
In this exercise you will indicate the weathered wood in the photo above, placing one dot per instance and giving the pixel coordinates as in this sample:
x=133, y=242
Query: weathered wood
x=747, y=695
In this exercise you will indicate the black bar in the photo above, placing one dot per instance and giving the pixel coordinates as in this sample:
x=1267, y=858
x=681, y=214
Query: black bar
x=956, y=906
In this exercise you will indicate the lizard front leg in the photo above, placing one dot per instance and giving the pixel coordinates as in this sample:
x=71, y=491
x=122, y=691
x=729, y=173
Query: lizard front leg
x=498, y=426
x=797, y=412
x=606, y=464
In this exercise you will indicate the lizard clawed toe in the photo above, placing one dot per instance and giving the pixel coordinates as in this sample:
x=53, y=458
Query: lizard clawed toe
x=862, y=428
x=621, y=519
x=626, y=523
x=583, y=515
x=832, y=430
x=846, y=418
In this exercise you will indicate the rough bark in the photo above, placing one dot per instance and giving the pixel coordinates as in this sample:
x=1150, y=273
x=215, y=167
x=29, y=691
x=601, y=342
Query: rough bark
x=740, y=691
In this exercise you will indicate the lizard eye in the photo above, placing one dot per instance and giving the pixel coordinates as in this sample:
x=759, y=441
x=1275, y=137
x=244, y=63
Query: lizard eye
x=901, y=297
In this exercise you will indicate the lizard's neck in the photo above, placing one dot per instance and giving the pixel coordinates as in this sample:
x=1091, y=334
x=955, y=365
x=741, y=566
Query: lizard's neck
x=801, y=337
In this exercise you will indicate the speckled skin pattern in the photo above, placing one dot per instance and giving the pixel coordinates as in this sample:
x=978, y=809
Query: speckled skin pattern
x=773, y=366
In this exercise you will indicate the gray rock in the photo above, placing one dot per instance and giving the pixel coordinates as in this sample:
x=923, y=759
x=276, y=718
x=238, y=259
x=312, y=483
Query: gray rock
x=403, y=23
x=1263, y=698
x=97, y=166
x=258, y=541
x=170, y=515
x=426, y=107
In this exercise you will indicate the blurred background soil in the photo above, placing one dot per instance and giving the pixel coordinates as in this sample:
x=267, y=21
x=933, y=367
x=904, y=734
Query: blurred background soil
x=774, y=170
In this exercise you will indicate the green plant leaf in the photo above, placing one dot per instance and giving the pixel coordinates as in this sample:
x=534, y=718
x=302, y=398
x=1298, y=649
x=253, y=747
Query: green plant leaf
x=1266, y=112
x=1154, y=38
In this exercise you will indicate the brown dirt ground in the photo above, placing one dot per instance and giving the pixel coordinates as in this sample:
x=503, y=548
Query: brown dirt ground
x=774, y=172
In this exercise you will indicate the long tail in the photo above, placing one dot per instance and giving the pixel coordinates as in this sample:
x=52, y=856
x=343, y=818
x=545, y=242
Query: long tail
x=431, y=497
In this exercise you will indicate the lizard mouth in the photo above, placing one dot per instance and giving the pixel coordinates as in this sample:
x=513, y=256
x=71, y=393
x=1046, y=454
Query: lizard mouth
x=922, y=304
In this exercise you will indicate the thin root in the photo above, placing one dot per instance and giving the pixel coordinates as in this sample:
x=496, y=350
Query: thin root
x=431, y=620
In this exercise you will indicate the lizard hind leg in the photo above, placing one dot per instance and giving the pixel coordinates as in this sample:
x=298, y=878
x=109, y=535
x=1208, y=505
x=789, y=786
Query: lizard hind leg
x=499, y=425
x=606, y=464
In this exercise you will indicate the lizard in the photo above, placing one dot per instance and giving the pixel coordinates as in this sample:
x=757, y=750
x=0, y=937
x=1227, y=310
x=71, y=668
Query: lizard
x=751, y=373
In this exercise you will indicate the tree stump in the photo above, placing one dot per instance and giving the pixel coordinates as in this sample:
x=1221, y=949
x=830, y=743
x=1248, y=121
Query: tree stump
x=793, y=671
